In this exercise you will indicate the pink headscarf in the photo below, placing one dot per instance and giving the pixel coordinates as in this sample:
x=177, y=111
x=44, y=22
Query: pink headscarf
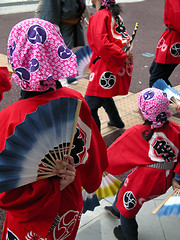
x=154, y=105
x=107, y=3
x=39, y=56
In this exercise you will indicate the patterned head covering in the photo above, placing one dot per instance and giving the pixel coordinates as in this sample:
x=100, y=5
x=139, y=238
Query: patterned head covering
x=5, y=83
x=154, y=105
x=39, y=56
x=107, y=3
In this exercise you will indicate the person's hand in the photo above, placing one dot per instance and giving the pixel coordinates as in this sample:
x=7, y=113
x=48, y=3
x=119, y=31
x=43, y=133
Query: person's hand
x=175, y=184
x=178, y=108
x=129, y=56
x=67, y=171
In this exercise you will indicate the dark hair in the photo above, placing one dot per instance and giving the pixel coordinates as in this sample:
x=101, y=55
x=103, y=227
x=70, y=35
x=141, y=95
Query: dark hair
x=115, y=9
x=149, y=134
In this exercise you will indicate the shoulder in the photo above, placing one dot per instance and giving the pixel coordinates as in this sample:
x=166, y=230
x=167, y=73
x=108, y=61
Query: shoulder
x=135, y=132
x=68, y=92
x=100, y=15
x=138, y=128
x=173, y=126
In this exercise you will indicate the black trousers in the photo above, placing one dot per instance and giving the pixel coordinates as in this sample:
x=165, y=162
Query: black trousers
x=108, y=104
x=129, y=228
x=160, y=71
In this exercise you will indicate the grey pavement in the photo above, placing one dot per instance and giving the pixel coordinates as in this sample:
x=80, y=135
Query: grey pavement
x=99, y=225
x=17, y=6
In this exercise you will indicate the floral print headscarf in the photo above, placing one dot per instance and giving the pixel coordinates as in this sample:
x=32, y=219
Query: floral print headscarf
x=154, y=105
x=39, y=56
x=107, y=3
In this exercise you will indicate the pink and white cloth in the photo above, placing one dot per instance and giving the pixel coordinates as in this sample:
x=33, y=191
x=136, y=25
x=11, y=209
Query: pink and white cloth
x=154, y=105
x=39, y=56
x=107, y=3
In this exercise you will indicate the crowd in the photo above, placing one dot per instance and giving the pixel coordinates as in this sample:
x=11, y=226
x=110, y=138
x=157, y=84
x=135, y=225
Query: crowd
x=39, y=51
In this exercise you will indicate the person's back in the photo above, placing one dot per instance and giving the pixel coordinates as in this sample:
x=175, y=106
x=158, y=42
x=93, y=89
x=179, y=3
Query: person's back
x=151, y=152
x=167, y=55
x=44, y=208
x=111, y=67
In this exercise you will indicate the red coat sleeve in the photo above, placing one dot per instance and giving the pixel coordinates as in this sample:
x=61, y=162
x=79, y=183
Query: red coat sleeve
x=91, y=172
x=127, y=152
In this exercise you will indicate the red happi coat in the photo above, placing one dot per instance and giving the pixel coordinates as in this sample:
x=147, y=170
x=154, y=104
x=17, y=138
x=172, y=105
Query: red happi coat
x=132, y=151
x=168, y=47
x=32, y=209
x=110, y=75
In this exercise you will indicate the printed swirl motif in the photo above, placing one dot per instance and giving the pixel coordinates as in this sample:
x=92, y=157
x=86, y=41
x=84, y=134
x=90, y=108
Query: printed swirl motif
x=64, y=52
x=34, y=65
x=175, y=49
x=37, y=34
x=11, y=51
x=148, y=95
x=23, y=74
x=107, y=80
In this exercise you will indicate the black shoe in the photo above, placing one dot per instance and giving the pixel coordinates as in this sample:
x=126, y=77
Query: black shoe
x=120, y=125
x=118, y=233
x=111, y=211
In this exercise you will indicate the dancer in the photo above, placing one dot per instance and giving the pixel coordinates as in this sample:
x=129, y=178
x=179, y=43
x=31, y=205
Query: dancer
x=49, y=208
x=167, y=53
x=111, y=67
x=152, y=152
x=67, y=15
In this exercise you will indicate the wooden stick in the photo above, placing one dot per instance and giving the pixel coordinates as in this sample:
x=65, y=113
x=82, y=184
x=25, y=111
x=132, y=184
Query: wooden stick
x=46, y=168
x=45, y=176
x=55, y=153
x=174, y=100
x=46, y=173
x=54, y=160
x=59, y=150
x=163, y=202
x=49, y=160
x=177, y=193
x=79, y=102
x=132, y=37
x=48, y=165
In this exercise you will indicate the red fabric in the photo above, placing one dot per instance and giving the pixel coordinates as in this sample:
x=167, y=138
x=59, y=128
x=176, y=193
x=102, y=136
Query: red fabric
x=106, y=42
x=132, y=151
x=177, y=169
x=141, y=185
x=167, y=51
x=5, y=83
x=31, y=209
x=171, y=14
